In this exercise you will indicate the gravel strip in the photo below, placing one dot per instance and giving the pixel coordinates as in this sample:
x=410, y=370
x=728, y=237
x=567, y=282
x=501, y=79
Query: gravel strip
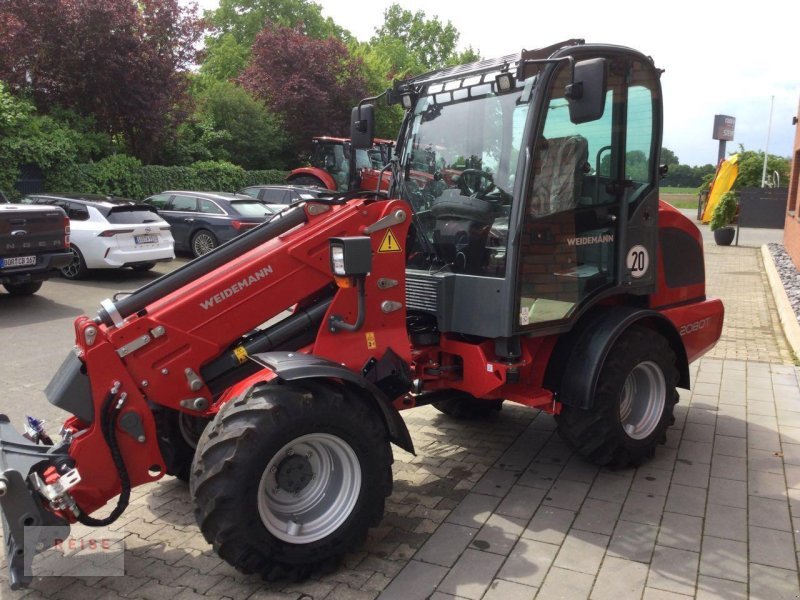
x=790, y=276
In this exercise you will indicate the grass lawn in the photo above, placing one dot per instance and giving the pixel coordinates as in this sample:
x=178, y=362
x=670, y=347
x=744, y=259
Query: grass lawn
x=680, y=197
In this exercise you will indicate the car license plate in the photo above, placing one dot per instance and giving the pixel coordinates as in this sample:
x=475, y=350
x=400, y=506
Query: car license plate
x=146, y=239
x=17, y=261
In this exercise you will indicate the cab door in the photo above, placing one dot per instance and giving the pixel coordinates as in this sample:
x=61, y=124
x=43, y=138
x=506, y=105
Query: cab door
x=586, y=183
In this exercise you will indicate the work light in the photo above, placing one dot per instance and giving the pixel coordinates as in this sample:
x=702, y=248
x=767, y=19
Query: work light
x=351, y=256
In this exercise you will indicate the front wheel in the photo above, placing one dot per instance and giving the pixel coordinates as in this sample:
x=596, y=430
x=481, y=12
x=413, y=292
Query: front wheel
x=633, y=404
x=289, y=478
x=178, y=435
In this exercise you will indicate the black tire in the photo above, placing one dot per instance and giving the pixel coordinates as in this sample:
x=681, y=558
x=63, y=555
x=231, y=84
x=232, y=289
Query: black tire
x=465, y=407
x=203, y=242
x=640, y=361
x=76, y=269
x=178, y=436
x=233, y=461
x=23, y=289
x=144, y=267
x=307, y=180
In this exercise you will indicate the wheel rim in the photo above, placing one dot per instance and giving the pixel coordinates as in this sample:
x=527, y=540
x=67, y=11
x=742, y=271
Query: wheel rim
x=203, y=243
x=74, y=267
x=309, y=488
x=643, y=398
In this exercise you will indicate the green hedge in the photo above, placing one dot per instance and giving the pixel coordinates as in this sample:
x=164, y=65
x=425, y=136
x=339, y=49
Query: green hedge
x=121, y=175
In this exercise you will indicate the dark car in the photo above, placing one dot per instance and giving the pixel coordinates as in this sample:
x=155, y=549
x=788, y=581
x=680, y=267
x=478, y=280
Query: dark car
x=201, y=221
x=279, y=196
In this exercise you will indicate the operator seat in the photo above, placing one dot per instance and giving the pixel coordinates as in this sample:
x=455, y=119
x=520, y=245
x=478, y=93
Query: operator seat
x=559, y=167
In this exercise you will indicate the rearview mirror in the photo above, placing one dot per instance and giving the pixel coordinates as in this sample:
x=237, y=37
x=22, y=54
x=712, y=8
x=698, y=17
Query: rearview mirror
x=362, y=126
x=587, y=92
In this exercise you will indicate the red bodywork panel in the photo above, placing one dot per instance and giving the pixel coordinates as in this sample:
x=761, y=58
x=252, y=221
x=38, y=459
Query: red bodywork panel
x=484, y=374
x=205, y=318
x=697, y=319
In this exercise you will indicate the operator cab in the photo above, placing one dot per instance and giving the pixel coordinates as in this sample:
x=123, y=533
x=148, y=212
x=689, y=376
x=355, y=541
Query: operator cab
x=534, y=181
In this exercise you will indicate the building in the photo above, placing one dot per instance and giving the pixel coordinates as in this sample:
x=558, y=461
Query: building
x=791, y=230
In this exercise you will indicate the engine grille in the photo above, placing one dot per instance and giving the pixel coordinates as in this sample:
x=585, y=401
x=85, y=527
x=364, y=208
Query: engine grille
x=422, y=293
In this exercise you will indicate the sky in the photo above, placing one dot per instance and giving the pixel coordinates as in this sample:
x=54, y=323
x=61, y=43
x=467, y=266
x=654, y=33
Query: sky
x=719, y=58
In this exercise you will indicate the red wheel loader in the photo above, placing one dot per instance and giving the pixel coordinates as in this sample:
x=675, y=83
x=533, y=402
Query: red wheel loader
x=534, y=264
x=335, y=166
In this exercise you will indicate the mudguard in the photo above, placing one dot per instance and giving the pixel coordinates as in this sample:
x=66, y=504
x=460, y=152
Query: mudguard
x=579, y=356
x=293, y=366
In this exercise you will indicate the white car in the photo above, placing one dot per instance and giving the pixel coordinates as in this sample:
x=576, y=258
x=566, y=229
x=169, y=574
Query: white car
x=110, y=233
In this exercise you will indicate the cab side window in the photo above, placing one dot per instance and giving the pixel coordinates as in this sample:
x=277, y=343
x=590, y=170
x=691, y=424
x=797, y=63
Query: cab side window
x=571, y=161
x=640, y=151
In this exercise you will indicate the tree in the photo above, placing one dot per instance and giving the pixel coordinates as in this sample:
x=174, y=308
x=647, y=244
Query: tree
x=751, y=168
x=668, y=157
x=225, y=57
x=230, y=125
x=418, y=44
x=407, y=44
x=237, y=23
x=377, y=69
x=50, y=143
x=123, y=62
x=311, y=84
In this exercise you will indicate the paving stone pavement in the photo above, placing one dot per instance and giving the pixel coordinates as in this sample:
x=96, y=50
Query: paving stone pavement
x=752, y=330
x=502, y=510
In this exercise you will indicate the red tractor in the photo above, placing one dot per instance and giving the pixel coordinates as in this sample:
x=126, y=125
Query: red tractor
x=534, y=265
x=333, y=162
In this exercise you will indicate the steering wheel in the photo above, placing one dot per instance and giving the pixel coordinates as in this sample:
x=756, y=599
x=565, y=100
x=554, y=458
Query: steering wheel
x=477, y=176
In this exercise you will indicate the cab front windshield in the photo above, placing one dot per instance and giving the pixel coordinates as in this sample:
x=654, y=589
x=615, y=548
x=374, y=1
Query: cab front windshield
x=459, y=163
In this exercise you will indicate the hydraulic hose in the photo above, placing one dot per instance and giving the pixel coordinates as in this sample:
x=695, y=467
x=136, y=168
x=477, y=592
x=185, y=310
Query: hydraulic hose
x=337, y=323
x=110, y=411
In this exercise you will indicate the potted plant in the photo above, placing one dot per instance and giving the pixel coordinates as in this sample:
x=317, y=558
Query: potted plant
x=722, y=218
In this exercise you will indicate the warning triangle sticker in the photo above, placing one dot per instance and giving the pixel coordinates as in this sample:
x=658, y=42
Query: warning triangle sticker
x=389, y=243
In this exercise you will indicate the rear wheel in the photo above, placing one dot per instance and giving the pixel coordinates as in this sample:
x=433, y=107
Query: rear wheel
x=76, y=269
x=633, y=404
x=203, y=242
x=466, y=407
x=23, y=289
x=289, y=478
x=307, y=180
